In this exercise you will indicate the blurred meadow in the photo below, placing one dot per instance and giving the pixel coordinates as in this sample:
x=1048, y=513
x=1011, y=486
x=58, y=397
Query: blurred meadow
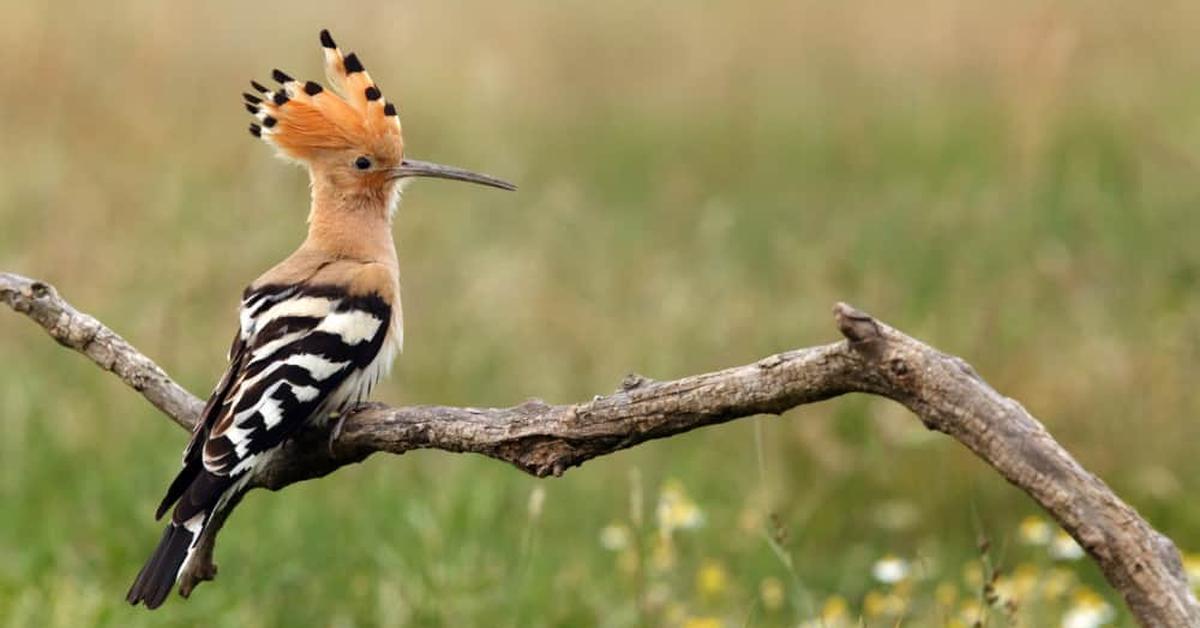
x=1017, y=183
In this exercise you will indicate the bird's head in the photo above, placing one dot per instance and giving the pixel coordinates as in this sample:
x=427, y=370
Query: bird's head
x=349, y=137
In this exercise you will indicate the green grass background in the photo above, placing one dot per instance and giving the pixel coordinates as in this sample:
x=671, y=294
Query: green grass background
x=1017, y=183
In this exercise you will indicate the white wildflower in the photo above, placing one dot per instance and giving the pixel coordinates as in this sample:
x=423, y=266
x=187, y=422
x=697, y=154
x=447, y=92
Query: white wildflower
x=614, y=537
x=1063, y=547
x=1088, y=611
x=890, y=569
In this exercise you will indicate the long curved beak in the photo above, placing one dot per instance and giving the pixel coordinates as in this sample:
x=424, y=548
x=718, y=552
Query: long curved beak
x=417, y=168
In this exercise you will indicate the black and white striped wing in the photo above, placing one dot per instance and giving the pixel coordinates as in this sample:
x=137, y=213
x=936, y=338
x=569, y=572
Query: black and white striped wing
x=308, y=351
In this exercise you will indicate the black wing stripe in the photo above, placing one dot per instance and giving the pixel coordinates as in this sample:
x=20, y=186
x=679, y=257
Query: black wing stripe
x=319, y=367
x=294, y=374
x=254, y=298
x=277, y=336
x=280, y=327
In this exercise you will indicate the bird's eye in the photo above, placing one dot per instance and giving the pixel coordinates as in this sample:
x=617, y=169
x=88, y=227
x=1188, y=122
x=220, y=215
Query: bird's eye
x=362, y=163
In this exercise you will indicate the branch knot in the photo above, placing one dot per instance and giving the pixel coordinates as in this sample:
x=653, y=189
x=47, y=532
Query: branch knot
x=39, y=290
x=857, y=326
x=633, y=381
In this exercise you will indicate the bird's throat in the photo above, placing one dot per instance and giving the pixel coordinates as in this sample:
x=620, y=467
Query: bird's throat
x=352, y=228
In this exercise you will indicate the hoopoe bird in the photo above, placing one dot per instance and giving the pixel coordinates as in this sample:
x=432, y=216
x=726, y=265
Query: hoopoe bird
x=320, y=329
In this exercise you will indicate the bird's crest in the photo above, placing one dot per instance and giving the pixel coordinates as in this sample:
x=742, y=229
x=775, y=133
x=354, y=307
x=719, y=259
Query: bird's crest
x=302, y=119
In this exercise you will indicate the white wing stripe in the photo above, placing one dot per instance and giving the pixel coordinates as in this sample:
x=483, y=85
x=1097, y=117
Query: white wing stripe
x=253, y=304
x=270, y=410
x=317, y=366
x=354, y=326
x=305, y=393
x=248, y=462
x=303, y=306
x=237, y=435
x=271, y=347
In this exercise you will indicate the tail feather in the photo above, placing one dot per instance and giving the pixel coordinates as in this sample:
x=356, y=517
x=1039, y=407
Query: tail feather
x=156, y=579
x=183, y=481
x=204, y=494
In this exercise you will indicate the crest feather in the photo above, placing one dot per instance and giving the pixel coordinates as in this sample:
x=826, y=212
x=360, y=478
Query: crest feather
x=301, y=118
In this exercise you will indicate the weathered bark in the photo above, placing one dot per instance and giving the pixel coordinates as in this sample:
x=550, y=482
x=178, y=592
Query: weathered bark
x=541, y=439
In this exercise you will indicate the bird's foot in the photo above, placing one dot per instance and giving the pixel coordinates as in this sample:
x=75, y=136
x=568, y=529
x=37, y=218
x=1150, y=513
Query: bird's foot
x=336, y=431
x=200, y=571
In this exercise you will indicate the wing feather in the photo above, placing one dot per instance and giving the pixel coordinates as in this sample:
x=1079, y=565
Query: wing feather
x=307, y=347
x=192, y=457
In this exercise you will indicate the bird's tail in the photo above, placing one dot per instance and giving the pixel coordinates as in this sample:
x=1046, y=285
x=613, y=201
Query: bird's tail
x=157, y=577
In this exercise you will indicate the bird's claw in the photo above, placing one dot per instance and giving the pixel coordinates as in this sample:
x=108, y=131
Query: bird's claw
x=336, y=432
x=205, y=570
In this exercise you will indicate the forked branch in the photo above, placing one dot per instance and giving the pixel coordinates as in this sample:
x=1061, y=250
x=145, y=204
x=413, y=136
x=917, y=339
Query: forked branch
x=541, y=439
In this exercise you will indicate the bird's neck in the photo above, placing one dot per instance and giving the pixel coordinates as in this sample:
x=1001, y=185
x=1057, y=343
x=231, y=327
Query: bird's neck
x=357, y=227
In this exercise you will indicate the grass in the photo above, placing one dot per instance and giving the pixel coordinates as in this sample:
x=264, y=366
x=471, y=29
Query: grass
x=699, y=184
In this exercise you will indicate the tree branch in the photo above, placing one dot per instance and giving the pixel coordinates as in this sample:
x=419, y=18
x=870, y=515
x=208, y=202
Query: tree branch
x=75, y=330
x=541, y=439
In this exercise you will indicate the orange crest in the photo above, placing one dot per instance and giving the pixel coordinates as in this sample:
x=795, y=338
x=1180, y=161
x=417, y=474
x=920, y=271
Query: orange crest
x=303, y=119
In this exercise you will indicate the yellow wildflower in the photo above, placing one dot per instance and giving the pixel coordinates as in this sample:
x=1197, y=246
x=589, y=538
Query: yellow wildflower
x=1058, y=582
x=835, y=610
x=971, y=613
x=873, y=604
x=615, y=537
x=711, y=579
x=1191, y=564
x=1035, y=531
x=772, y=593
x=877, y=604
x=973, y=576
x=1025, y=579
x=676, y=511
x=946, y=594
